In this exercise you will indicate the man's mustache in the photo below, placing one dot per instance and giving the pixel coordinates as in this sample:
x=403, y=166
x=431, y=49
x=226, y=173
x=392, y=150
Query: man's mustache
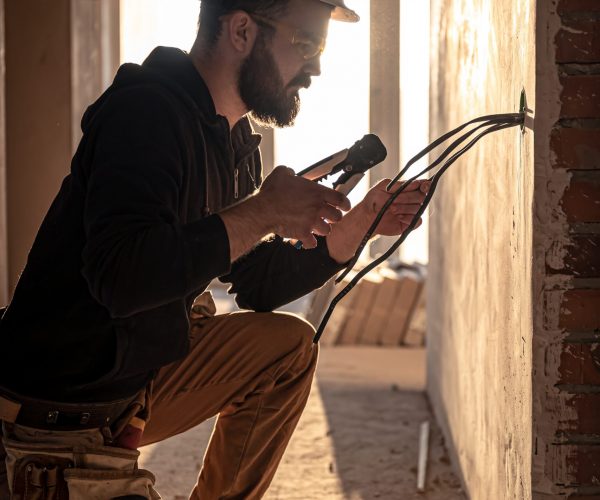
x=301, y=81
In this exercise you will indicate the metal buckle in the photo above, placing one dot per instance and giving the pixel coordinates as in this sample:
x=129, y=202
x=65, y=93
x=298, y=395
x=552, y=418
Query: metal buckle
x=85, y=418
x=52, y=417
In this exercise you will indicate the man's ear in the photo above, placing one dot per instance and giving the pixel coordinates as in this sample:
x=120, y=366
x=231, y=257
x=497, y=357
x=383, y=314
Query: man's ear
x=242, y=32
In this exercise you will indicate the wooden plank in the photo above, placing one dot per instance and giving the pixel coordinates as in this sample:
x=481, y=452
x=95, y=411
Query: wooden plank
x=320, y=303
x=383, y=303
x=361, y=306
x=397, y=325
x=341, y=314
x=415, y=335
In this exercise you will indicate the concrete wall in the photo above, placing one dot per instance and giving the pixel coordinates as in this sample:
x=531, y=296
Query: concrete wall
x=480, y=275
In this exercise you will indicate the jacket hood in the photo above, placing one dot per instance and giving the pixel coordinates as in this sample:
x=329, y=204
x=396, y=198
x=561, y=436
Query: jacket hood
x=171, y=68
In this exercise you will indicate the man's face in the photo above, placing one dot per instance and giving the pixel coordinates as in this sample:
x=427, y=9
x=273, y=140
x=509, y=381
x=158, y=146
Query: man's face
x=276, y=69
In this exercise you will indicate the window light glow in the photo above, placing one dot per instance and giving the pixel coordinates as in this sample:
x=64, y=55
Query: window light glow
x=414, y=106
x=146, y=24
x=335, y=109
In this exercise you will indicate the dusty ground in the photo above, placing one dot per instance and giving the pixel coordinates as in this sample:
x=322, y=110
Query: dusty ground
x=357, y=439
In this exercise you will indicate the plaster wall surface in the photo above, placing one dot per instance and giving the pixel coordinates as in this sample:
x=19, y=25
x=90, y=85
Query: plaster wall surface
x=58, y=62
x=38, y=117
x=479, y=290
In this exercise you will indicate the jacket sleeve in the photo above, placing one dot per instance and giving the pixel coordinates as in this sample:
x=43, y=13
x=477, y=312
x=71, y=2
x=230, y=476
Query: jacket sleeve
x=138, y=253
x=276, y=273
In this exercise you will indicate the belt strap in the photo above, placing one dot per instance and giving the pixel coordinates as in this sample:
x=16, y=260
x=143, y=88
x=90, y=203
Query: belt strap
x=9, y=409
x=51, y=415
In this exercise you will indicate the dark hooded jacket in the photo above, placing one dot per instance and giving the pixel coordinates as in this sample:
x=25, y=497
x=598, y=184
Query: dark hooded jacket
x=133, y=236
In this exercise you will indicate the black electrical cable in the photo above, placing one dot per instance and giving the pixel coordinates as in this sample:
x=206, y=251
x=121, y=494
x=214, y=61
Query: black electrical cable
x=493, y=123
x=505, y=118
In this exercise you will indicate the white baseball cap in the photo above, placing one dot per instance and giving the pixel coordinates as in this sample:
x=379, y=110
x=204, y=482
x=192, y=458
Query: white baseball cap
x=341, y=12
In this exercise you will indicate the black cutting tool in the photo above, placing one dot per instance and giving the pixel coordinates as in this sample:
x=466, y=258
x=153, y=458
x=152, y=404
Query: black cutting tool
x=352, y=162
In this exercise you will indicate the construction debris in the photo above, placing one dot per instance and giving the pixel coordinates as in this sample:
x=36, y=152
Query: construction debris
x=386, y=308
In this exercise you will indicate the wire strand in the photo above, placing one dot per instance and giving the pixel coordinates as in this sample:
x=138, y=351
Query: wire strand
x=510, y=122
x=405, y=184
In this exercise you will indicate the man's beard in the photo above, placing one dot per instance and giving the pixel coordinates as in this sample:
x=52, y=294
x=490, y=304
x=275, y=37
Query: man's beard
x=262, y=90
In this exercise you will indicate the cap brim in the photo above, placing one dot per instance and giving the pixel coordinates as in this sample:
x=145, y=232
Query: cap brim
x=344, y=14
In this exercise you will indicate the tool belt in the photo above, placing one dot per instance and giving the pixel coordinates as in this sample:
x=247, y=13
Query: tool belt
x=59, y=451
x=50, y=415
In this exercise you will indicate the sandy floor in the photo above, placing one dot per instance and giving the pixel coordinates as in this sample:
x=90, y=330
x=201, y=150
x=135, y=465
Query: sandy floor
x=357, y=439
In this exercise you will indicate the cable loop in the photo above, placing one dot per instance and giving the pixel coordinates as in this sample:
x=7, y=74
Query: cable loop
x=489, y=124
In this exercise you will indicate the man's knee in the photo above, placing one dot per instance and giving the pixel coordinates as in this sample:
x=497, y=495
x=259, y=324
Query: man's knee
x=296, y=332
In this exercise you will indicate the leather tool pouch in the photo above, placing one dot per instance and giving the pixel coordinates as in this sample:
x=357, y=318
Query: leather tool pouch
x=40, y=477
x=73, y=468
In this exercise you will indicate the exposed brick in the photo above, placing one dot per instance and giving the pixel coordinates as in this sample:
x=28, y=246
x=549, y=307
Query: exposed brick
x=580, y=96
x=581, y=200
x=580, y=364
x=583, y=465
x=578, y=42
x=581, y=258
x=580, y=310
x=586, y=408
x=569, y=6
x=576, y=148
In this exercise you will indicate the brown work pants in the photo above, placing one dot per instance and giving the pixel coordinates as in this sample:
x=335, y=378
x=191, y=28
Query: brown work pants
x=252, y=369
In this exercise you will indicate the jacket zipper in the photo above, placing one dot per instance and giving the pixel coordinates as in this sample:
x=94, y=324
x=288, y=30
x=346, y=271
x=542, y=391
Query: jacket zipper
x=236, y=186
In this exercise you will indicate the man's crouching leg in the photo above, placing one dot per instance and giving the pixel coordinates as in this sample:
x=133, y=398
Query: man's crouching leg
x=255, y=371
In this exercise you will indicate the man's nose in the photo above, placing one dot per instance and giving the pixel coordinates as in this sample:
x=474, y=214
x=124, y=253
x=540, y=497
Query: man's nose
x=313, y=66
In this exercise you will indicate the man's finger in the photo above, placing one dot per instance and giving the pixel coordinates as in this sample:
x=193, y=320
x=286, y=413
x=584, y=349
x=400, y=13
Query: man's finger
x=405, y=208
x=336, y=199
x=330, y=213
x=413, y=186
x=287, y=170
x=308, y=241
x=404, y=219
x=321, y=228
x=408, y=198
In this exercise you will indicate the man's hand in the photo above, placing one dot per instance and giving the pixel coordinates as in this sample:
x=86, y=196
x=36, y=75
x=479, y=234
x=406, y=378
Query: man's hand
x=399, y=215
x=347, y=235
x=298, y=208
x=287, y=205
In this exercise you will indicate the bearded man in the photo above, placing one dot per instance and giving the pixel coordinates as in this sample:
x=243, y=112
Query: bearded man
x=109, y=342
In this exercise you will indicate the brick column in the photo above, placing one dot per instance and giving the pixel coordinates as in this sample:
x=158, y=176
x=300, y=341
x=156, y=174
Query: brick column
x=567, y=382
